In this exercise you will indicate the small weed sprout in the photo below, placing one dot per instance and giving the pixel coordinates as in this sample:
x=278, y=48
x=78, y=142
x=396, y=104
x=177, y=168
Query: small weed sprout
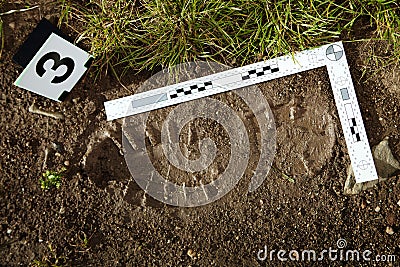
x=51, y=260
x=51, y=179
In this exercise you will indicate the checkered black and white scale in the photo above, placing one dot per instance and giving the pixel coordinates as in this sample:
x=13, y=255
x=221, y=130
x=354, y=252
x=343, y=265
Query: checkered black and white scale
x=191, y=89
x=254, y=73
x=331, y=56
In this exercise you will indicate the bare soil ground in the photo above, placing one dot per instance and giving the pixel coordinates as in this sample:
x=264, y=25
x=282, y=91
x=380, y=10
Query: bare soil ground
x=99, y=217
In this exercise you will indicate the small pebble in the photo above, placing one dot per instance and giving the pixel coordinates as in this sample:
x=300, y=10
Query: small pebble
x=398, y=203
x=389, y=230
x=57, y=154
x=191, y=253
x=391, y=219
x=40, y=240
x=66, y=163
x=378, y=209
x=9, y=231
x=56, y=146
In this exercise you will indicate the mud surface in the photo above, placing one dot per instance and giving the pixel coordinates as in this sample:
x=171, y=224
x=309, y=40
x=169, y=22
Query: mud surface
x=100, y=216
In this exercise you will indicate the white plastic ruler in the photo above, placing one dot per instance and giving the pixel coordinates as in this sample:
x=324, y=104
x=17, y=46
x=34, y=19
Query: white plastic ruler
x=331, y=56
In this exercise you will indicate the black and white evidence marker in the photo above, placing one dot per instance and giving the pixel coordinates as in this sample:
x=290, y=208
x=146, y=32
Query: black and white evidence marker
x=52, y=64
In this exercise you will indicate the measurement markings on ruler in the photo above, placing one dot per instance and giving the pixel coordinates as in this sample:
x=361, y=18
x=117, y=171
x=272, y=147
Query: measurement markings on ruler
x=331, y=56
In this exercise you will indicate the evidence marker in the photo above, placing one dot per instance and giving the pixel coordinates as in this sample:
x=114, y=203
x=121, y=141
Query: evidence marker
x=52, y=64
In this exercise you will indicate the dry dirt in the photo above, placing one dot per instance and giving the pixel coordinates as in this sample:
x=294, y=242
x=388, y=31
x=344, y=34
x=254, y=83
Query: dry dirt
x=100, y=217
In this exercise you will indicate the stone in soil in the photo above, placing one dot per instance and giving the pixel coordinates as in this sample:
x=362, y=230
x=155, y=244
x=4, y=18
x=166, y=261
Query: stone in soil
x=386, y=166
x=389, y=230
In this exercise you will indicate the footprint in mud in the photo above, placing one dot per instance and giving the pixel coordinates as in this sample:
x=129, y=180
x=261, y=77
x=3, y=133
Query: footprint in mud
x=105, y=166
x=305, y=124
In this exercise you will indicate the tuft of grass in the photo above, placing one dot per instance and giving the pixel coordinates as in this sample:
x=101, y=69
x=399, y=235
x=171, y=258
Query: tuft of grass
x=108, y=29
x=385, y=15
x=50, y=261
x=51, y=179
x=65, y=10
x=149, y=34
x=288, y=178
x=37, y=263
x=284, y=175
x=83, y=244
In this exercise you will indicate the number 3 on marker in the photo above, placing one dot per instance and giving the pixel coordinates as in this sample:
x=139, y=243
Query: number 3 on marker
x=57, y=62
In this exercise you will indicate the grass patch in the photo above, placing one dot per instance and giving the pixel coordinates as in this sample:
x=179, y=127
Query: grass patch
x=51, y=179
x=385, y=15
x=161, y=33
x=51, y=260
x=108, y=28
